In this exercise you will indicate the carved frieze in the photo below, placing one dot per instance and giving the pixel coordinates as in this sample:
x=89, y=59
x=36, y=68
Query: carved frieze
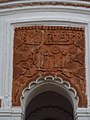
x=49, y=50
x=53, y=3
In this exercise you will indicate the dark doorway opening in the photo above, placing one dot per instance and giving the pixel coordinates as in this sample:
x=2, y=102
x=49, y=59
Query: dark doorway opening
x=49, y=105
x=49, y=119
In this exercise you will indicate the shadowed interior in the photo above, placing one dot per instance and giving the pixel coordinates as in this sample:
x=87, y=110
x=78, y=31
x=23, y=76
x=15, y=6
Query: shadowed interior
x=49, y=106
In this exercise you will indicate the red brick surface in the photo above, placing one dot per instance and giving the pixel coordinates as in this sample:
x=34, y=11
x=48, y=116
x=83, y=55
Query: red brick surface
x=49, y=50
x=16, y=5
x=5, y=0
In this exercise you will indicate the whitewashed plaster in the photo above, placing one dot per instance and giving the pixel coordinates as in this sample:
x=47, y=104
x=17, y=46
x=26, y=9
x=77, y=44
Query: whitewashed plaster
x=37, y=15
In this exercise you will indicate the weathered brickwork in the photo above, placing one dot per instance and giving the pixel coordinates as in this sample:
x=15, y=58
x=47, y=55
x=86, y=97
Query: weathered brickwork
x=6, y=0
x=49, y=50
x=17, y=0
x=16, y=5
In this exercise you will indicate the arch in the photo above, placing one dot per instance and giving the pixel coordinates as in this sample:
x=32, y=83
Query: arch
x=49, y=105
x=49, y=83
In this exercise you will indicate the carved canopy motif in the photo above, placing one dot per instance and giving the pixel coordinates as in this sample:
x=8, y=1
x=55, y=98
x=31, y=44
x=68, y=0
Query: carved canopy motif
x=49, y=50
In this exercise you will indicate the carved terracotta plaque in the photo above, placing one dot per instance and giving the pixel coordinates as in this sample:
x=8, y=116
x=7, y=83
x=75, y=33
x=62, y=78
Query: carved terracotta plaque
x=49, y=50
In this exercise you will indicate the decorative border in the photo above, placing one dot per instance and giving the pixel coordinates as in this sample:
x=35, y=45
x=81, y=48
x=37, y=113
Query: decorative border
x=52, y=79
x=2, y=1
x=18, y=5
x=49, y=79
x=50, y=28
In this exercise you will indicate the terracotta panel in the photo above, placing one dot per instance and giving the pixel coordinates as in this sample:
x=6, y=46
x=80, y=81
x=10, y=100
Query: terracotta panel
x=49, y=50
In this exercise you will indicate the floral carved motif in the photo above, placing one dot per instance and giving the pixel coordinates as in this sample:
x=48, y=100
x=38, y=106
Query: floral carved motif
x=49, y=50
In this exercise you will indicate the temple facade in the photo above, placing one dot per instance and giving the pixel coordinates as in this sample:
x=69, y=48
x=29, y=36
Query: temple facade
x=45, y=59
